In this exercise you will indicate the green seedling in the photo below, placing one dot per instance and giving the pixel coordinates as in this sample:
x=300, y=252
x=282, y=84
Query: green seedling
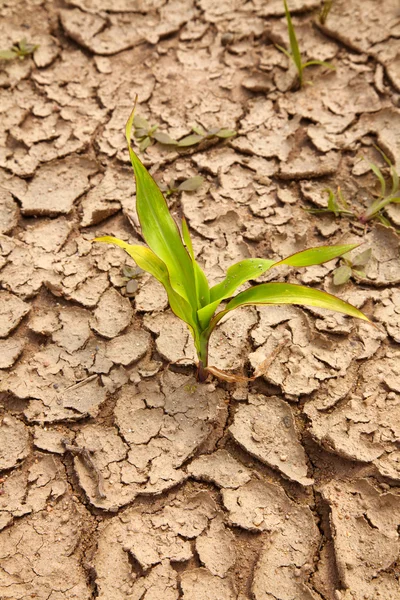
x=351, y=267
x=337, y=204
x=199, y=135
x=170, y=258
x=188, y=185
x=325, y=10
x=19, y=50
x=130, y=276
x=295, y=54
x=384, y=197
x=146, y=134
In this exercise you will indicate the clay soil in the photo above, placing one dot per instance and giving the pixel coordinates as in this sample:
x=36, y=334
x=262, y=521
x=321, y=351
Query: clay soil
x=122, y=478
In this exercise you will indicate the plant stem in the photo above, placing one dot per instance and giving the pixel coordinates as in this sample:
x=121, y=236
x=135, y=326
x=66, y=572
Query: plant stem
x=202, y=352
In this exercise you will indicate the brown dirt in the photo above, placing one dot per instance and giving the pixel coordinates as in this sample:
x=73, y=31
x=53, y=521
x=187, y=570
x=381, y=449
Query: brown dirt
x=121, y=478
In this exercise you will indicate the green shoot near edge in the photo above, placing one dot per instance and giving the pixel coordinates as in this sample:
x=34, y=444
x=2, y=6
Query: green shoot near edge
x=170, y=259
x=295, y=54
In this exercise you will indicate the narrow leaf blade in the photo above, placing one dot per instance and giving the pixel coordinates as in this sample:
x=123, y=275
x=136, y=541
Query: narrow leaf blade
x=315, y=256
x=149, y=262
x=202, y=288
x=160, y=230
x=289, y=293
x=294, y=46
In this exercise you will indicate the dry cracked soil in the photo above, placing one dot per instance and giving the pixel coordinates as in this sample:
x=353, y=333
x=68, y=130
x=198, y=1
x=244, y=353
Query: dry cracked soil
x=121, y=477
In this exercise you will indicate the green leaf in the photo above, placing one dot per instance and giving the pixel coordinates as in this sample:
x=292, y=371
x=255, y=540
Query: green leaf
x=160, y=230
x=395, y=180
x=202, y=288
x=149, y=262
x=294, y=46
x=236, y=275
x=315, y=256
x=7, y=54
x=199, y=130
x=332, y=202
x=164, y=138
x=321, y=63
x=192, y=184
x=225, y=133
x=376, y=170
x=140, y=123
x=190, y=140
x=144, y=144
x=288, y=293
x=342, y=275
x=362, y=259
x=286, y=52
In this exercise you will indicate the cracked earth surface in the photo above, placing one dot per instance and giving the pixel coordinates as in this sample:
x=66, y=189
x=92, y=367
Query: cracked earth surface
x=121, y=478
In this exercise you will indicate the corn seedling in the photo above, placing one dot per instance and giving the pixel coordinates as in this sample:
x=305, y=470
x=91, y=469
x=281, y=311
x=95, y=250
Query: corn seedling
x=325, y=10
x=188, y=185
x=170, y=258
x=295, y=54
x=351, y=267
x=19, y=50
x=384, y=197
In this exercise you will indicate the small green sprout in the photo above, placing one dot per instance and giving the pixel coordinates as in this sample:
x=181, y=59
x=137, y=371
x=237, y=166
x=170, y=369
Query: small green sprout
x=337, y=204
x=199, y=134
x=19, y=50
x=325, y=10
x=384, y=197
x=188, y=185
x=170, y=258
x=295, y=54
x=146, y=134
x=351, y=267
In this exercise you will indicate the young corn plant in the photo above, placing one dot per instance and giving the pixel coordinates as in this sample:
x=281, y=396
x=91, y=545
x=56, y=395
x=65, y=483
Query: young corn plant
x=170, y=258
x=295, y=54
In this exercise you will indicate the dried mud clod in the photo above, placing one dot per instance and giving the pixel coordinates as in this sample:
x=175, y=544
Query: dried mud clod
x=123, y=479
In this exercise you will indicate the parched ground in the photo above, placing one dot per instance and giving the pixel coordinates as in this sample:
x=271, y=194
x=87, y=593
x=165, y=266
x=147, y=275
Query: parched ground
x=121, y=478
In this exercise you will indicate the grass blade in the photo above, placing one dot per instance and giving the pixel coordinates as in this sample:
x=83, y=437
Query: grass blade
x=315, y=256
x=288, y=293
x=202, y=288
x=294, y=46
x=159, y=229
x=320, y=63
